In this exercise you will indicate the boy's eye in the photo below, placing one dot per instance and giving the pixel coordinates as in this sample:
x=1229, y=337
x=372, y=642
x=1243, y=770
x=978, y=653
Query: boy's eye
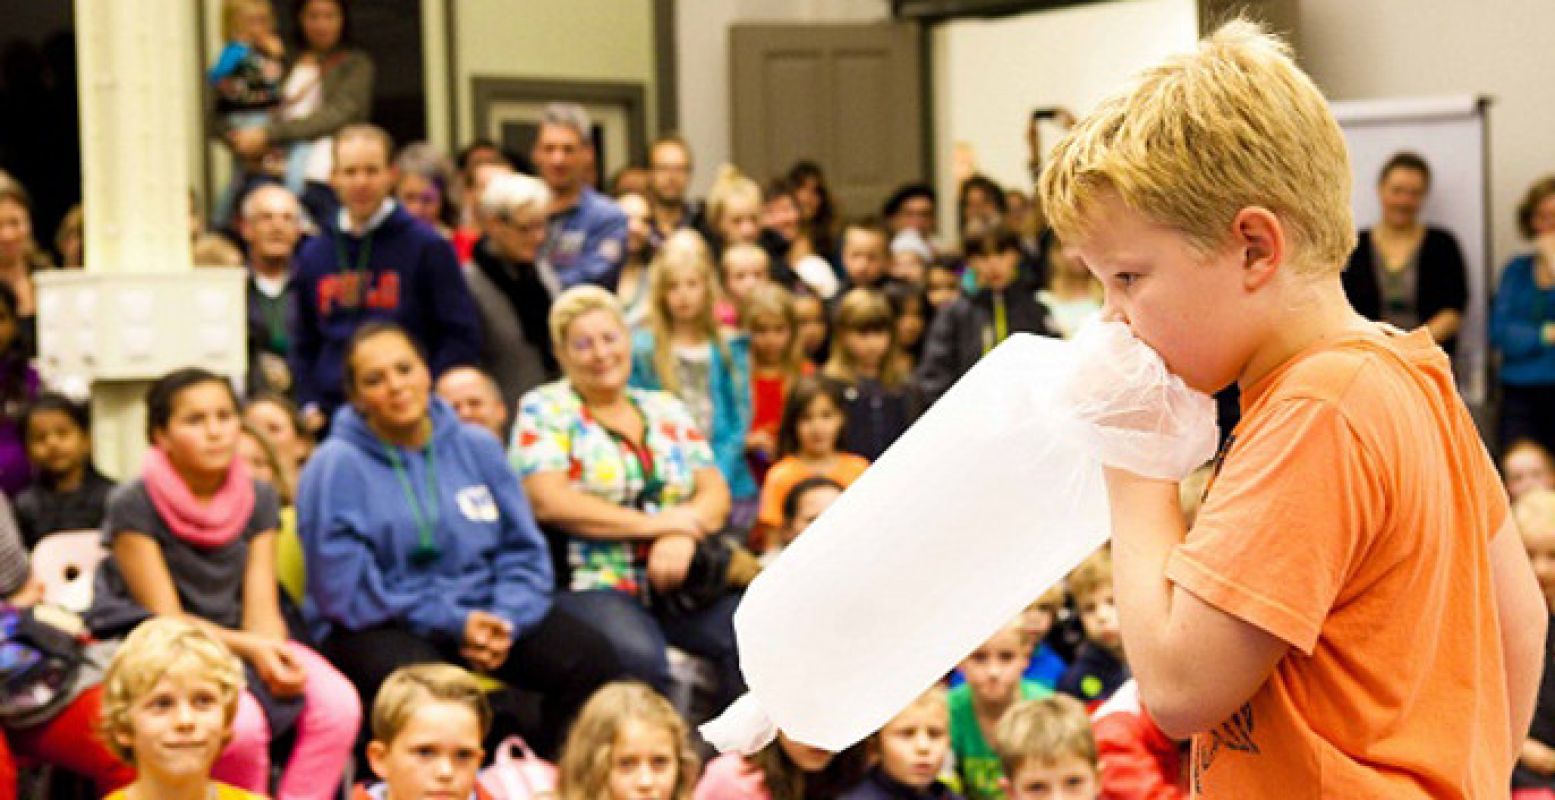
x=1125, y=280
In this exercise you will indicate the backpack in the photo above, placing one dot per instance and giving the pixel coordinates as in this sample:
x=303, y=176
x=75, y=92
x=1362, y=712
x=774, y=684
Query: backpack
x=40, y=656
x=516, y=773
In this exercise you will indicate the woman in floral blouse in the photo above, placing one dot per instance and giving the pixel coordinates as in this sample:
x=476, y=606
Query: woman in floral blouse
x=629, y=482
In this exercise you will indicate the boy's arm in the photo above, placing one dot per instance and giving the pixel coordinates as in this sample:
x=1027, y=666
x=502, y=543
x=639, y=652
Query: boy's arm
x=1524, y=617
x=1195, y=663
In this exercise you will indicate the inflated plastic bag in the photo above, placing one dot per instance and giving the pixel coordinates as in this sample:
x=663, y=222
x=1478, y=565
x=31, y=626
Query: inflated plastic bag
x=991, y=497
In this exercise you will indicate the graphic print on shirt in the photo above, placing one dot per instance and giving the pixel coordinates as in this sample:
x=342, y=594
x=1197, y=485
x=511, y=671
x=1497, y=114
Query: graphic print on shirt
x=379, y=291
x=1235, y=734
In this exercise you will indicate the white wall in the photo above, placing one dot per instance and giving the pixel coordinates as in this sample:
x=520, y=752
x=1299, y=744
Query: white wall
x=990, y=74
x=702, y=31
x=1397, y=48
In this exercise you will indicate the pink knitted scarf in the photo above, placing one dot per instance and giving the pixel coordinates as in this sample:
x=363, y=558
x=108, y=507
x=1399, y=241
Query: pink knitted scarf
x=204, y=524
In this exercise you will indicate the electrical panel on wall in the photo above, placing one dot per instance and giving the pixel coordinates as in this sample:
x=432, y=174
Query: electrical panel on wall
x=108, y=327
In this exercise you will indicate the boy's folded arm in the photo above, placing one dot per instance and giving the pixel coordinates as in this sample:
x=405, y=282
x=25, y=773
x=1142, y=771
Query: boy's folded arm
x=1195, y=663
x=1524, y=617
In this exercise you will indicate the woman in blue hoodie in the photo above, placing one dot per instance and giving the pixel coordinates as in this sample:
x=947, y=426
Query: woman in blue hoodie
x=421, y=547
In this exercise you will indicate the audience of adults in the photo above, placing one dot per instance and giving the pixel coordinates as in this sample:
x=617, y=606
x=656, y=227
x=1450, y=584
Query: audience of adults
x=512, y=291
x=271, y=226
x=421, y=546
x=327, y=87
x=1403, y=271
x=1522, y=325
x=629, y=483
x=587, y=236
x=374, y=261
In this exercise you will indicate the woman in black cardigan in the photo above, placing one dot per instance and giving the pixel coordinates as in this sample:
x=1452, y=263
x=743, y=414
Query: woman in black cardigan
x=1403, y=271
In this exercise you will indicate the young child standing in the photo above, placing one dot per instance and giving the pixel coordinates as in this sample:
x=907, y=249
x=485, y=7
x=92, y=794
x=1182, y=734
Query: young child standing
x=169, y=700
x=776, y=362
x=1098, y=669
x=684, y=352
x=67, y=493
x=1356, y=524
x=194, y=538
x=910, y=753
x=808, y=446
x=879, y=400
x=994, y=684
x=1048, y=751
x=628, y=743
x=428, y=723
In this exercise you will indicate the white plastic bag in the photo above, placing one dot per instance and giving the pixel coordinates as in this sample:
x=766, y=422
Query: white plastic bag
x=991, y=497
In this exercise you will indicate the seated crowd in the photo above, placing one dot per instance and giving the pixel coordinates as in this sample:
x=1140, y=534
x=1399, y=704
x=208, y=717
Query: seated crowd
x=510, y=448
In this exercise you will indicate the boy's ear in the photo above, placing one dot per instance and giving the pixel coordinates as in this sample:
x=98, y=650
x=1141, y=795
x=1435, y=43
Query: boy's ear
x=1005, y=786
x=377, y=754
x=1260, y=236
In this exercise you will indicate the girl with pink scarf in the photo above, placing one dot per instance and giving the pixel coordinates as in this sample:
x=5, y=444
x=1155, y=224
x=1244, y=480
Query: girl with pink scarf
x=195, y=537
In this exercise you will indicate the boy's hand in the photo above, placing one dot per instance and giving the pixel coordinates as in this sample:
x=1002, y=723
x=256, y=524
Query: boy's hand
x=282, y=673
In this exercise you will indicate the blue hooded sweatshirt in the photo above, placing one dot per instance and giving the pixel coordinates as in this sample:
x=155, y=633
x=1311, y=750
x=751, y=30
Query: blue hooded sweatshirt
x=360, y=536
x=401, y=271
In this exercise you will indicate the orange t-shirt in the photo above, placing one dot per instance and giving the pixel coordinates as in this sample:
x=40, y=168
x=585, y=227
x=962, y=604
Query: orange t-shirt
x=789, y=471
x=1352, y=517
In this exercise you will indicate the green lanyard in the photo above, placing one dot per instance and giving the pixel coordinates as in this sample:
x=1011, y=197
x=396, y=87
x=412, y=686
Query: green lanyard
x=364, y=255
x=426, y=522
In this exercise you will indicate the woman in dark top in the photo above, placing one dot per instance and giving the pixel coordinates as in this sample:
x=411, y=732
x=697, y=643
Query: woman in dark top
x=1403, y=271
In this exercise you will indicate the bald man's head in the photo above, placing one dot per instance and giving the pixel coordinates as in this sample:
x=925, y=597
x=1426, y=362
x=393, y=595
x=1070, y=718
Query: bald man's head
x=476, y=398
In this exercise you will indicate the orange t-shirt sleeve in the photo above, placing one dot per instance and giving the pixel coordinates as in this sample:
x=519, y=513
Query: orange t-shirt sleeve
x=1290, y=512
x=849, y=467
x=780, y=479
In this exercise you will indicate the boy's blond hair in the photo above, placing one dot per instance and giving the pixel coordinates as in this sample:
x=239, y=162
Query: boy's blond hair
x=412, y=687
x=161, y=645
x=232, y=8
x=584, y=771
x=1093, y=575
x=1044, y=731
x=1203, y=135
x=1535, y=511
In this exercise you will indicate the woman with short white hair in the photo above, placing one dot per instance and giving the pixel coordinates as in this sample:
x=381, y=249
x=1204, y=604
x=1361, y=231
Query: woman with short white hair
x=512, y=290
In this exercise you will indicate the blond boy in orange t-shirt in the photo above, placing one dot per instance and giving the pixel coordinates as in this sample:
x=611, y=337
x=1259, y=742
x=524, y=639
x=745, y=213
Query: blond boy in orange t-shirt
x=1352, y=614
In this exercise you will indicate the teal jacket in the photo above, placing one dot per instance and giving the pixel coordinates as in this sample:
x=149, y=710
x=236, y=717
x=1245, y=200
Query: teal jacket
x=731, y=405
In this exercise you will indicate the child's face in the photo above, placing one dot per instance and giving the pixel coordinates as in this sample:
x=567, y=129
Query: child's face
x=867, y=348
x=436, y=755
x=741, y=220
x=770, y=335
x=644, y=763
x=1099, y=617
x=277, y=424
x=1037, y=620
x=864, y=256
x=819, y=426
x=805, y=757
x=202, y=433
x=909, y=325
x=253, y=454
x=908, y=267
x=1068, y=778
x=254, y=23
x=944, y=287
x=812, y=323
x=993, y=670
x=420, y=197
x=685, y=295
x=1540, y=543
x=1527, y=469
x=56, y=444
x=178, y=728
x=743, y=272
x=995, y=271
x=810, y=506
x=914, y=744
x=1200, y=313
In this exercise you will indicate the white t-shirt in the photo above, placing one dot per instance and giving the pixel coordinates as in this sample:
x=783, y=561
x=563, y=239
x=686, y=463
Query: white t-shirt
x=304, y=93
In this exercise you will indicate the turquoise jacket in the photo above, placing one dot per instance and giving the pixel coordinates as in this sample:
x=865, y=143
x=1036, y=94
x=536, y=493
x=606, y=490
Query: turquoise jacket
x=731, y=405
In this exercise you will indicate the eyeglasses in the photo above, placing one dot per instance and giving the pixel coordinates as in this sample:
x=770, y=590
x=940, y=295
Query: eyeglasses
x=583, y=345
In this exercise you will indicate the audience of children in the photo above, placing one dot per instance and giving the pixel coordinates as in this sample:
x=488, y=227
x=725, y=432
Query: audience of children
x=995, y=683
x=809, y=445
x=170, y=702
x=67, y=492
x=1047, y=751
x=1098, y=668
x=194, y=537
